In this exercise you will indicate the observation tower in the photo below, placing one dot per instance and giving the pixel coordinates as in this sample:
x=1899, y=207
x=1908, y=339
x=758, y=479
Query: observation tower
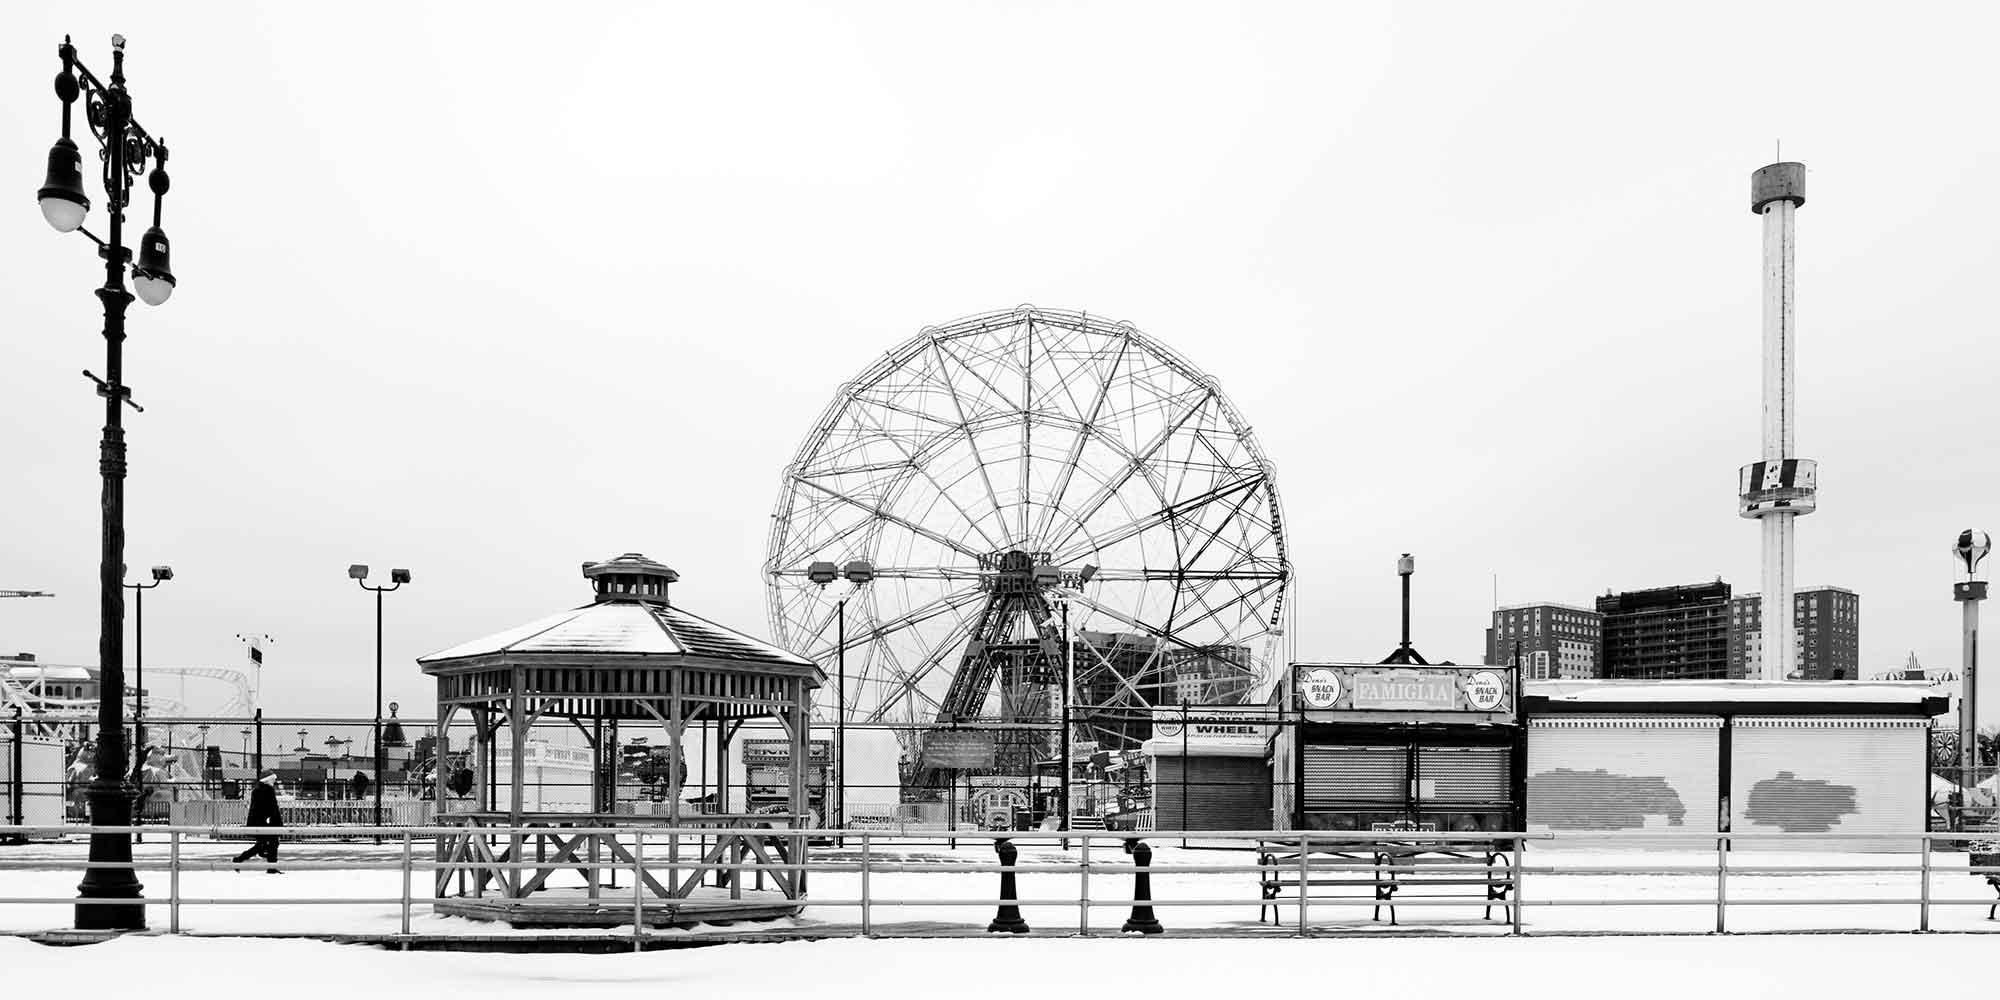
x=1781, y=486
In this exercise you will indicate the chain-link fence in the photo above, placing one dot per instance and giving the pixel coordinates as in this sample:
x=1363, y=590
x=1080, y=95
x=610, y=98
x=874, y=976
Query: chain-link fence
x=1174, y=770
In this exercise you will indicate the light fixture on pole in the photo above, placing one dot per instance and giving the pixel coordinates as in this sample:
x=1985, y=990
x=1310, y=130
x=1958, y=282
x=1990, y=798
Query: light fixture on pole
x=161, y=574
x=858, y=573
x=1064, y=778
x=1971, y=547
x=109, y=897
x=358, y=572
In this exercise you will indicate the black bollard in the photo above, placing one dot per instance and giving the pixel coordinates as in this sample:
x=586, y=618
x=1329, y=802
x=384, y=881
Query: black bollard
x=1008, y=919
x=1142, y=919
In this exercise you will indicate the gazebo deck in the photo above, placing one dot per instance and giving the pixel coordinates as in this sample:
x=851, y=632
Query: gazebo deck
x=614, y=908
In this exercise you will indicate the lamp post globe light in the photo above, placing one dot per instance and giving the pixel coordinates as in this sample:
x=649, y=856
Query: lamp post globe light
x=108, y=897
x=397, y=577
x=858, y=573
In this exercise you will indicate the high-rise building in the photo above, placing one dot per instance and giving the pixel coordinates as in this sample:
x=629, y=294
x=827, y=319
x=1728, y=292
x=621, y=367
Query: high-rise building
x=1826, y=624
x=1667, y=632
x=1556, y=641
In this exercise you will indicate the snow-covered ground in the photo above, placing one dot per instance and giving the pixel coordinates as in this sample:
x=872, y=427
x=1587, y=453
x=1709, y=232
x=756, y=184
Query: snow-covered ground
x=1407, y=969
x=1569, y=897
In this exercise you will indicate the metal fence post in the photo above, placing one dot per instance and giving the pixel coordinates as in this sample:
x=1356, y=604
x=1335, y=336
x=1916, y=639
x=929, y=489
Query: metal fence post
x=1083, y=901
x=406, y=883
x=1142, y=919
x=1924, y=898
x=174, y=882
x=1519, y=883
x=638, y=890
x=1007, y=919
x=1305, y=881
x=867, y=927
x=1721, y=885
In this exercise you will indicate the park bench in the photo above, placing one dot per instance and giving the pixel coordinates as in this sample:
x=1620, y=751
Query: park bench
x=1986, y=854
x=1472, y=871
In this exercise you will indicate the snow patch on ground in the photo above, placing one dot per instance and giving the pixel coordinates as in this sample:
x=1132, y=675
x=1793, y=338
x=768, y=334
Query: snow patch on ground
x=1408, y=969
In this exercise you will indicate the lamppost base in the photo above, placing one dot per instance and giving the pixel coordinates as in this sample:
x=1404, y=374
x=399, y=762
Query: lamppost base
x=110, y=805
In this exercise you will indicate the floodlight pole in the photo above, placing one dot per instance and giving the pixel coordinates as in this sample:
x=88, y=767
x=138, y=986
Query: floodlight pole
x=1972, y=547
x=1069, y=694
x=840, y=719
x=397, y=577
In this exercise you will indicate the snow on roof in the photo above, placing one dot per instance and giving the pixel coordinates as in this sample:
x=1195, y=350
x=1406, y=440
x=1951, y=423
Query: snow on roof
x=593, y=628
x=27, y=672
x=622, y=628
x=1814, y=692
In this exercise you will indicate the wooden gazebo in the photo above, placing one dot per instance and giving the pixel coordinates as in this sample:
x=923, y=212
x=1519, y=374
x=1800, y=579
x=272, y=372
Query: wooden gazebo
x=628, y=656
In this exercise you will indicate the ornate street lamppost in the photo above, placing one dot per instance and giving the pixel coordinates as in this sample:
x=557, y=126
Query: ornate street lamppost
x=125, y=148
x=858, y=573
x=397, y=577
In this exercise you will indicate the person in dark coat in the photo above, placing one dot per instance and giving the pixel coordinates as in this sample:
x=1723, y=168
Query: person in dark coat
x=264, y=812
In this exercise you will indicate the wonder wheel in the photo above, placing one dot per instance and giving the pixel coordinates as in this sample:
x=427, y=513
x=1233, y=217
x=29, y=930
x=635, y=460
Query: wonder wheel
x=1017, y=479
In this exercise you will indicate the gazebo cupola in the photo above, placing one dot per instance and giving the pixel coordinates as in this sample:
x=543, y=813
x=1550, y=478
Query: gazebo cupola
x=631, y=577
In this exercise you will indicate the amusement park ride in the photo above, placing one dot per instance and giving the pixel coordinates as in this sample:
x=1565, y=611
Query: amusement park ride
x=1059, y=509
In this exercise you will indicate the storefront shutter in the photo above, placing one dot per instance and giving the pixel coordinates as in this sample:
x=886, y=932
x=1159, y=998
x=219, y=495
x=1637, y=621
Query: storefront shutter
x=1829, y=775
x=1592, y=773
x=1463, y=775
x=1222, y=793
x=1339, y=776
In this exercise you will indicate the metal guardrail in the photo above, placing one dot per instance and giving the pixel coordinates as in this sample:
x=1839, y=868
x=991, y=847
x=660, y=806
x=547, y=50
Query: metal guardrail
x=1318, y=855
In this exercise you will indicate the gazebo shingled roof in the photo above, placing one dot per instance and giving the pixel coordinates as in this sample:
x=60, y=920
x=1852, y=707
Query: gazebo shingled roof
x=621, y=646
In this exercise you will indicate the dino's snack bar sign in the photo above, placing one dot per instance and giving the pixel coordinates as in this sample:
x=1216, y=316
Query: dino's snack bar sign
x=1372, y=688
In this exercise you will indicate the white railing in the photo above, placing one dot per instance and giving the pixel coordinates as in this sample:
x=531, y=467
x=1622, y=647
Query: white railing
x=1305, y=877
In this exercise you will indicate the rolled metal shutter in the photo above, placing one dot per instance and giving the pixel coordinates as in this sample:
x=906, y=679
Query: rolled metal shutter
x=1227, y=793
x=1591, y=773
x=1339, y=776
x=1829, y=775
x=1463, y=775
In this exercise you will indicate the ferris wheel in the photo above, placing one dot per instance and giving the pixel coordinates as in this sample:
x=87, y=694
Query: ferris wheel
x=1018, y=479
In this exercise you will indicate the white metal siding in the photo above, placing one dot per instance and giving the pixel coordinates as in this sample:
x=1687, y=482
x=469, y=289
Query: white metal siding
x=1607, y=773
x=1829, y=775
x=1338, y=776
x=42, y=783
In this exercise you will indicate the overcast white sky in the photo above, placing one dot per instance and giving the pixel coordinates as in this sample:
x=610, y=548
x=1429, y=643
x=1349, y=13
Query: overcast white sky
x=487, y=292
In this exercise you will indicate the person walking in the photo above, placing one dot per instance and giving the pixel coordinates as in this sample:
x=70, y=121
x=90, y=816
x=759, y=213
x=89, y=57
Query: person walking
x=264, y=812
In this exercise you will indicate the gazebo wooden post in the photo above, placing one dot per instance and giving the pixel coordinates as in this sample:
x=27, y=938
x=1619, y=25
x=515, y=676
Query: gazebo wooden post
x=441, y=775
x=721, y=783
x=517, y=725
x=440, y=785
x=611, y=770
x=801, y=804
x=596, y=790
x=675, y=720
